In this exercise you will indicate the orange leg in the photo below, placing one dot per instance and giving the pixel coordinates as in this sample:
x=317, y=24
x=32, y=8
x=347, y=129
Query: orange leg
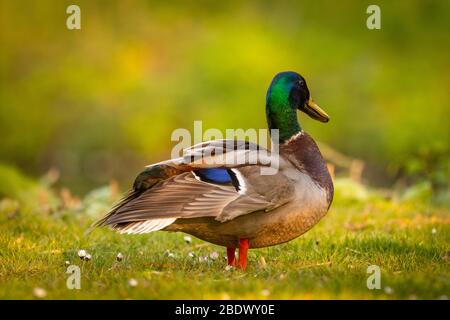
x=243, y=248
x=231, y=256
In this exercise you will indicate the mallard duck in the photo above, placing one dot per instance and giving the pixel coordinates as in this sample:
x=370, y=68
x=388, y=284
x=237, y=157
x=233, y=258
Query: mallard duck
x=235, y=205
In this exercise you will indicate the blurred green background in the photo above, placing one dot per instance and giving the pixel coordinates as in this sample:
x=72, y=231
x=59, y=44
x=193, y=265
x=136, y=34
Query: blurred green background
x=99, y=103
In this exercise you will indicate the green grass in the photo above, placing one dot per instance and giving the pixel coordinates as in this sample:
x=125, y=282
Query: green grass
x=409, y=240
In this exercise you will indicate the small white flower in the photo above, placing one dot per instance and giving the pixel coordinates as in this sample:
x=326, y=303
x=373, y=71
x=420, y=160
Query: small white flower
x=388, y=290
x=169, y=254
x=433, y=231
x=119, y=256
x=67, y=263
x=214, y=255
x=228, y=268
x=87, y=257
x=132, y=282
x=191, y=255
x=265, y=292
x=39, y=293
x=187, y=239
x=82, y=254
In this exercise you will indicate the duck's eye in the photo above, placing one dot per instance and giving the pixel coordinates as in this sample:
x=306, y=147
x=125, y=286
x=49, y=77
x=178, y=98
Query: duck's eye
x=302, y=83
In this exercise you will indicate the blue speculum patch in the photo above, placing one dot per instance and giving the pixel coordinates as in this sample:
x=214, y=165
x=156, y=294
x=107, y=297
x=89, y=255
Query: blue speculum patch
x=217, y=175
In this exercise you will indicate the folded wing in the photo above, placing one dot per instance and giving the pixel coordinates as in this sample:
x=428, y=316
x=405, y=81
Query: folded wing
x=220, y=179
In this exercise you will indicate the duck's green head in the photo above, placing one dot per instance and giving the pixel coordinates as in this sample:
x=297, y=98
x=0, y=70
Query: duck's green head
x=288, y=93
